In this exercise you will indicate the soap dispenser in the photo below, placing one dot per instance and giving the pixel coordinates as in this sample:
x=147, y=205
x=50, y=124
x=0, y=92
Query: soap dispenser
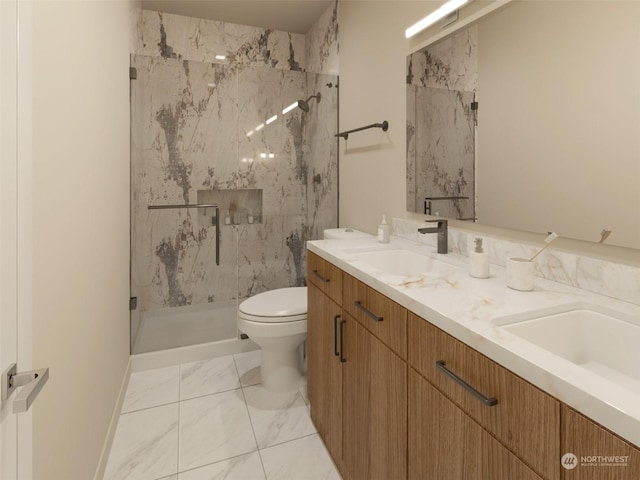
x=478, y=261
x=384, y=231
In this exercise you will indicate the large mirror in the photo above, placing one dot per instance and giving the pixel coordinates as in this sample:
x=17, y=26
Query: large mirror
x=529, y=119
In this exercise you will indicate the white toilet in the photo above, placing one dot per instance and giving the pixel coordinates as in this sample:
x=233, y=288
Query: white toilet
x=277, y=321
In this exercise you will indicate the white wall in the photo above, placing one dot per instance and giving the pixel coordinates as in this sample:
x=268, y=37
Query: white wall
x=80, y=228
x=372, y=89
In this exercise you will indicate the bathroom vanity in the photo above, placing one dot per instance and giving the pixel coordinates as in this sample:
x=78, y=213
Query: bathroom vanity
x=411, y=377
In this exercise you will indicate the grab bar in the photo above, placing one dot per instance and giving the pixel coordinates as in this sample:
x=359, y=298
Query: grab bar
x=197, y=205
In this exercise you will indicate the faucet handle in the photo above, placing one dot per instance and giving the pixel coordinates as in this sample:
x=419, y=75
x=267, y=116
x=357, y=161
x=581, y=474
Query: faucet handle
x=442, y=222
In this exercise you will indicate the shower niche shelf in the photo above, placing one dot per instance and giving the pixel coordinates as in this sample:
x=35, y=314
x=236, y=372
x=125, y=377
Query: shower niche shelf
x=237, y=207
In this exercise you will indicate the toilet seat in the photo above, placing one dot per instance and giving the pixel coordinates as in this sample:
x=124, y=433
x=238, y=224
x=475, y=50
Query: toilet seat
x=276, y=306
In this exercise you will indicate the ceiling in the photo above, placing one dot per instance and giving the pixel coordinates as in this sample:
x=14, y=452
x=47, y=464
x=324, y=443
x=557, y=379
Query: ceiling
x=295, y=16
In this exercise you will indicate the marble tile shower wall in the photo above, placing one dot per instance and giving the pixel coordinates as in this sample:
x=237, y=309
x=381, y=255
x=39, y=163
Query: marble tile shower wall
x=191, y=114
x=441, y=84
x=588, y=273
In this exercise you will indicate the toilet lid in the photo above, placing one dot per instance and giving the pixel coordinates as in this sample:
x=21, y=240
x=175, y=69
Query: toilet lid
x=276, y=304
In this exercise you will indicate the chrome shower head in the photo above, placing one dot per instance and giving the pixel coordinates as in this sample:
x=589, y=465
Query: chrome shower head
x=304, y=104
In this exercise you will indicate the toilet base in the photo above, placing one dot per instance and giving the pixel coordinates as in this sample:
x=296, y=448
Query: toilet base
x=281, y=371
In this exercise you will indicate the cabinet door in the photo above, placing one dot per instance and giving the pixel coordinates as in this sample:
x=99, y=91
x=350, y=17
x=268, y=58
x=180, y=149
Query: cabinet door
x=597, y=453
x=375, y=407
x=324, y=370
x=525, y=418
x=446, y=444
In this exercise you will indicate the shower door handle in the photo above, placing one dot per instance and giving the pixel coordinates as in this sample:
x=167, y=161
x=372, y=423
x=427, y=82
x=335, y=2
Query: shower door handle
x=217, y=236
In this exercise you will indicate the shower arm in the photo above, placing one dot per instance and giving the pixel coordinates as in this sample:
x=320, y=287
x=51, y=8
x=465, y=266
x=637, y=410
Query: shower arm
x=197, y=205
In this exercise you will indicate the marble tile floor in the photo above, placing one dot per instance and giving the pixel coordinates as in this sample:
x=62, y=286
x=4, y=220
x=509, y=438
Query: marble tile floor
x=213, y=420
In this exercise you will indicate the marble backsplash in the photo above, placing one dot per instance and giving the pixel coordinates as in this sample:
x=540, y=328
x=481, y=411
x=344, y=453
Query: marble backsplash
x=614, y=280
x=194, y=120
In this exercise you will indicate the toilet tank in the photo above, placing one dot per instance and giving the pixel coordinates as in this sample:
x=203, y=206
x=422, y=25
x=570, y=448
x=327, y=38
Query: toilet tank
x=343, y=234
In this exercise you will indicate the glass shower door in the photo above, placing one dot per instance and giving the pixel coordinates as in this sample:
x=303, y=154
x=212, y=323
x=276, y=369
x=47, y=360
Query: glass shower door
x=183, y=268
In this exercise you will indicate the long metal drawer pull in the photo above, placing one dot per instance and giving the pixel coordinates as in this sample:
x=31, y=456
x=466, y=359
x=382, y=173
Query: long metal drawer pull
x=317, y=274
x=342, y=359
x=371, y=315
x=335, y=335
x=490, y=402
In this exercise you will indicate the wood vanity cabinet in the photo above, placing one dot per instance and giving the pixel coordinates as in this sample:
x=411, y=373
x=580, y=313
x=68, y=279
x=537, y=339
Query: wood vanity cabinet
x=446, y=444
x=525, y=419
x=374, y=407
x=357, y=385
x=396, y=398
x=324, y=368
x=585, y=438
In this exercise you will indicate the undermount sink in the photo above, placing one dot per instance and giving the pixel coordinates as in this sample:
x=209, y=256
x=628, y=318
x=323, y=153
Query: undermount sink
x=401, y=262
x=601, y=341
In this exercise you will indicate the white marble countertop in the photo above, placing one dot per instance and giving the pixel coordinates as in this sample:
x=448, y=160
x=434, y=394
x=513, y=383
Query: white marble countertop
x=466, y=307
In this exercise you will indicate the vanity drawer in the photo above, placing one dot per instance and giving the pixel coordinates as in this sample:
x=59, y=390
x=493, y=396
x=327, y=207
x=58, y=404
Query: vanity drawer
x=326, y=276
x=380, y=315
x=525, y=419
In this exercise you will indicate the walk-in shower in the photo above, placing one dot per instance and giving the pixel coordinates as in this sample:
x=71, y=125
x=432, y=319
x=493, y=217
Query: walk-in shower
x=226, y=187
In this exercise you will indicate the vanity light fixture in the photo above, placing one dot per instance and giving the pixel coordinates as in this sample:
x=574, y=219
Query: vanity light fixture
x=433, y=17
x=289, y=108
x=272, y=119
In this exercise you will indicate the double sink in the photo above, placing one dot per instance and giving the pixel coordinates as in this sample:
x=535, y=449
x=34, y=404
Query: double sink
x=599, y=340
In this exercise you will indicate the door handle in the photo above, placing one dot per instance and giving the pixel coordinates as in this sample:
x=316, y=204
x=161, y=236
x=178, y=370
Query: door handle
x=31, y=381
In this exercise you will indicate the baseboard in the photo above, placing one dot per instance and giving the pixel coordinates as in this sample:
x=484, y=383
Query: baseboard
x=113, y=424
x=193, y=353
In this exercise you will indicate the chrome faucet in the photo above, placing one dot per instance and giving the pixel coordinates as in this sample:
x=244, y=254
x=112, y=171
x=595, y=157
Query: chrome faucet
x=441, y=230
